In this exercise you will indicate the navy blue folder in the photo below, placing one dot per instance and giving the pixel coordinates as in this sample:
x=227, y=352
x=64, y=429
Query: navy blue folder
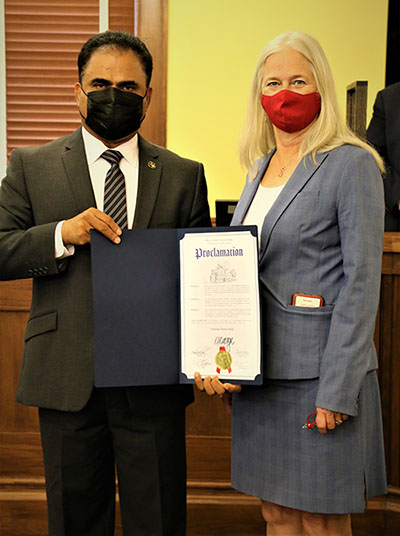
x=136, y=308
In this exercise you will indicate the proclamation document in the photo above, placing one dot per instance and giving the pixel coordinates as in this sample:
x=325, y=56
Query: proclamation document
x=220, y=309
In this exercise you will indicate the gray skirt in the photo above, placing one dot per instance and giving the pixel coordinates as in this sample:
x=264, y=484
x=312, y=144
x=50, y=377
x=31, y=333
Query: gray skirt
x=275, y=459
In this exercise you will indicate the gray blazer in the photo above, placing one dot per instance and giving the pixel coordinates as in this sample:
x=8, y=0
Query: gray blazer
x=323, y=236
x=43, y=186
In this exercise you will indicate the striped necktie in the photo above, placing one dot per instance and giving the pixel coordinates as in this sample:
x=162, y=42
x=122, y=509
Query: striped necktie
x=114, y=190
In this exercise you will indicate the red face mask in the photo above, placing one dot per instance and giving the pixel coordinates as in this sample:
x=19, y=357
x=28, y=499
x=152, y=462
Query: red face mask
x=291, y=111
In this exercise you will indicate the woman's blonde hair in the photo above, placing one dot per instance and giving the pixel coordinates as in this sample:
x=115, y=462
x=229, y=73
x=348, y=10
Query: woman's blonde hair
x=327, y=132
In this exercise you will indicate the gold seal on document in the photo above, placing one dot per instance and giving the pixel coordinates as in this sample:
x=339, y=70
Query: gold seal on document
x=223, y=359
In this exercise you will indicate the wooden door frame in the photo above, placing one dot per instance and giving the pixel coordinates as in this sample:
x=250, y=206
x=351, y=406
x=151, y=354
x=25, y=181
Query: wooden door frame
x=151, y=25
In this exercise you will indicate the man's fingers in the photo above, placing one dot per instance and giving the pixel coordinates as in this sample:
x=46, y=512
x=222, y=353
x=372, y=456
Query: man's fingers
x=208, y=387
x=232, y=388
x=217, y=385
x=198, y=381
x=76, y=230
x=107, y=220
x=213, y=386
x=105, y=225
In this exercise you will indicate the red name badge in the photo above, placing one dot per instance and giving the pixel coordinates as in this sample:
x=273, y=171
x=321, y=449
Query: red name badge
x=307, y=300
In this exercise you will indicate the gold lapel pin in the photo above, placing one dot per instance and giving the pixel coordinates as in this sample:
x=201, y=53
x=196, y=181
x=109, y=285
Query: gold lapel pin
x=151, y=164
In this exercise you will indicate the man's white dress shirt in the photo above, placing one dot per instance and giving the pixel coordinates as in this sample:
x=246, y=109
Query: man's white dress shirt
x=98, y=168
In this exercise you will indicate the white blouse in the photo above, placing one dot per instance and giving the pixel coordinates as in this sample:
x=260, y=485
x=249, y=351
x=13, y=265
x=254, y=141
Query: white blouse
x=260, y=206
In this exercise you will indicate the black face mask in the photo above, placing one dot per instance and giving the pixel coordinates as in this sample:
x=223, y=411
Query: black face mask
x=113, y=114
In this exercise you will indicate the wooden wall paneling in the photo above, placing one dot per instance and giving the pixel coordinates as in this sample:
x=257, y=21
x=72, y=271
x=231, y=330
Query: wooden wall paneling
x=15, y=295
x=207, y=417
x=23, y=513
x=21, y=460
x=389, y=360
x=22, y=495
x=210, y=519
x=14, y=307
x=394, y=475
x=12, y=329
x=385, y=358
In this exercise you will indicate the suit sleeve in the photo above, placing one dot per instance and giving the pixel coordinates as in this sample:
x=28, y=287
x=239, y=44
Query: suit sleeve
x=377, y=136
x=200, y=212
x=350, y=350
x=376, y=133
x=26, y=249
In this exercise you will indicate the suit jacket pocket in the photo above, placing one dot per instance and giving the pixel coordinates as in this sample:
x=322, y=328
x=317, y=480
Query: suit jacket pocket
x=41, y=324
x=294, y=338
x=324, y=310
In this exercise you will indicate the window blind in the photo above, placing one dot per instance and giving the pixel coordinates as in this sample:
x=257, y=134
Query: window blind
x=43, y=39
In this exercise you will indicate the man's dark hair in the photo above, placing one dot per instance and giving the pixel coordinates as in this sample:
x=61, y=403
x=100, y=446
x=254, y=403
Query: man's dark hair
x=118, y=40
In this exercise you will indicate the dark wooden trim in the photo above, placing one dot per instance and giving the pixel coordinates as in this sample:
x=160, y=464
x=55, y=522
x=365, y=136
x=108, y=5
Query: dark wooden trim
x=151, y=25
x=391, y=243
x=356, y=107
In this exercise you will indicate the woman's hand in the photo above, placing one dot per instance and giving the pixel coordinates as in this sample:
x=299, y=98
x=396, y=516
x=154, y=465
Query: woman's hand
x=328, y=420
x=213, y=386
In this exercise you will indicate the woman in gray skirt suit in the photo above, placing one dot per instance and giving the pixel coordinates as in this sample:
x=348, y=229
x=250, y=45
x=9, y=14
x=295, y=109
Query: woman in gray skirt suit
x=315, y=192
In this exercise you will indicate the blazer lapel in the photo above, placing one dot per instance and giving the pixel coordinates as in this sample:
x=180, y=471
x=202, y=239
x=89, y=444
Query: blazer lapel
x=250, y=191
x=302, y=174
x=150, y=168
x=75, y=165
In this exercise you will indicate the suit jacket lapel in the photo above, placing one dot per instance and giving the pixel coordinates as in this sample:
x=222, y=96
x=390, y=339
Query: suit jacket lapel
x=75, y=165
x=150, y=168
x=302, y=174
x=250, y=191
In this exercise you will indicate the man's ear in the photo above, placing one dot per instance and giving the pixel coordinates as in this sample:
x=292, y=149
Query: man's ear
x=77, y=92
x=147, y=99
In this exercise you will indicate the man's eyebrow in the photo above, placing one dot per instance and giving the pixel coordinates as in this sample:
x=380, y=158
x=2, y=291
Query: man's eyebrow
x=131, y=83
x=102, y=81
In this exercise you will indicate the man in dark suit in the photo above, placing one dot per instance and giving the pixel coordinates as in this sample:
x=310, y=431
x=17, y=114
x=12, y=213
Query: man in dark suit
x=50, y=199
x=384, y=134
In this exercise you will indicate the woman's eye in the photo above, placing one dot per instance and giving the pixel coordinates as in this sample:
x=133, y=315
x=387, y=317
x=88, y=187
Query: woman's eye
x=299, y=82
x=272, y=83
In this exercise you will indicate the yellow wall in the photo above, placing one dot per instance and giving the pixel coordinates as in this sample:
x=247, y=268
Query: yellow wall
x=213, y=49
